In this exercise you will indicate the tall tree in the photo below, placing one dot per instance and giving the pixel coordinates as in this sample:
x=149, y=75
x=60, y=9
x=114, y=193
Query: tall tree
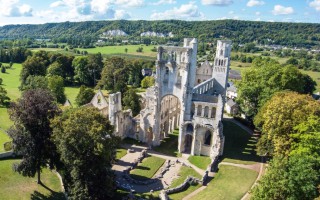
x=4, y=99
x=34, y=65
x=56, y=86
x=34, y=82
x=87, y=147
x=131, y=100
x=288, y=178
x=266, y=77
x=31, y=132
x=279, y=116
x=85, y=95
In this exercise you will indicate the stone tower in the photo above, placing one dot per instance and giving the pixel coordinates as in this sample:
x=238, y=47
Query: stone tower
x=221, y=65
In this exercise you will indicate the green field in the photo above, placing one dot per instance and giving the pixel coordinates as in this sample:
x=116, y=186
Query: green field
x=239, y=145
x=200, y=161
x=183, y=174
x=121, y=50
x=229, y=183
x=169, y=145
x=120, y=153
x=147, y=169
x=14, y=186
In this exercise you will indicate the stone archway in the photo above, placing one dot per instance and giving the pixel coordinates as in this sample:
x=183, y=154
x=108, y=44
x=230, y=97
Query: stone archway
x=169, y=115
x=187, y=143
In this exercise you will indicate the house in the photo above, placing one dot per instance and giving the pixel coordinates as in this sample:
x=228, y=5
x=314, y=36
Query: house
x=232, y=92
x=231, y=107
x=146, y=72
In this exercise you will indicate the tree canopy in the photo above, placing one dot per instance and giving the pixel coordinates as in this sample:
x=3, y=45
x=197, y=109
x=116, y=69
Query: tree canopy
x=87, y=147
x=267, y=77
x=31, y=132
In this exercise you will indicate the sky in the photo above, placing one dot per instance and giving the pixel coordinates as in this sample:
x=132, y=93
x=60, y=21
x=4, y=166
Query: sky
x=44, y=11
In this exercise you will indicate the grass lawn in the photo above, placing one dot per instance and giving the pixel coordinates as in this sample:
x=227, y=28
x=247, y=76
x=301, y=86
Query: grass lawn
x=120, y=153
x=71, y=93
x=239, y=145
x=184, y=173
x=15, y=186
x=229, y=183
x=169, y=145
x=200, y=161
x=121, y=50
x=315, y=76
x=149, y=166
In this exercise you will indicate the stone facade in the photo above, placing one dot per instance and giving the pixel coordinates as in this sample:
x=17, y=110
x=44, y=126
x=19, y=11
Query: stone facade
x=184, y=96
x=177, y=100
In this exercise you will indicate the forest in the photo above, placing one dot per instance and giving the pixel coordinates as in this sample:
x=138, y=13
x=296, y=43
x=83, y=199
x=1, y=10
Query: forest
x=305, y=35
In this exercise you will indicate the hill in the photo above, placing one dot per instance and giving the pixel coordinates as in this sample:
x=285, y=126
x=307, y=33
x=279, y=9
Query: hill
x=288, y=34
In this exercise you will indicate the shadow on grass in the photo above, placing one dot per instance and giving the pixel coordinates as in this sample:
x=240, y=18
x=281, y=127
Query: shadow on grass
x=139, y=177
x=169, y=145
x=239, y=144
x=52, y=196
x=142, y=167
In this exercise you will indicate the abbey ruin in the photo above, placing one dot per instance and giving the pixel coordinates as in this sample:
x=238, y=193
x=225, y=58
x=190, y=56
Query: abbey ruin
x=185, y=96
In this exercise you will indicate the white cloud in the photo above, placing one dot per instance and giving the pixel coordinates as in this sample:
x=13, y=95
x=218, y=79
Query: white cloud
x=13, y=8
x=315, y=4
x=121, y=14
x=231, y=12
x=258, y=19
x=57, y=4
x=252, y=3
x=258, y=13
x=163, y=2
x=185, y=11
x=281, y=10
x=217, y=2
x=129, y=3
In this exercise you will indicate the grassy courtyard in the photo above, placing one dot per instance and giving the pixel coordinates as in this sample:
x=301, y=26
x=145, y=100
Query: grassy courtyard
x=229, y=183
x=147, y=169
x=169, y=146
x=239, y=146
x=200, y=161
x=14, y=186
x=120, y=153
x=183, y=174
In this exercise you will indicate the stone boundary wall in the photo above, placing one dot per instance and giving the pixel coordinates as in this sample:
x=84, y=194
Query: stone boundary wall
x=189, y=181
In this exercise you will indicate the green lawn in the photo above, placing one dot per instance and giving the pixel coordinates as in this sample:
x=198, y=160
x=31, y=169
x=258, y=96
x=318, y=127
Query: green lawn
x=71, y=93
x=229, y=183
x=184, y=173
x=121, y=50
x=147, y=168
x=239, y=145
x=14, y=186
x=169, y=145
x=315, y=76
x=120, y=153
x=200, y=161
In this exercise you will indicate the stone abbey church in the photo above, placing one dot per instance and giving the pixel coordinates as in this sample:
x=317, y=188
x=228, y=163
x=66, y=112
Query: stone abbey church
x=186, y=95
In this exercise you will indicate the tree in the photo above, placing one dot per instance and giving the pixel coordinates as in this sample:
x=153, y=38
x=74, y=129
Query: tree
x=3, y=69
x=279, y=116
x=148, y=81
x=288, y=178
x=34, y=82
x=56, y=86
x=84, y=96
x=35, y=65
x=4, y=99
x=126, y=50
x=131, y=100
x=1, y=81
x=55, y=69
x=31, y=132
x=266, y=77
x=87, y=147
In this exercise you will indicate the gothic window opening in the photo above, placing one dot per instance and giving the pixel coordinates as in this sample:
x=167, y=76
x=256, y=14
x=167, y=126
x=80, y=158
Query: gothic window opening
x=207, y=138
x=199, y=110
x=213, y=112
x=189, y=129
x=167, y=70
x=206, y=111
x=221, y=52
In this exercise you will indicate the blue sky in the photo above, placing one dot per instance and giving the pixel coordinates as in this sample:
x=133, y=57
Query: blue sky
x=43, y=11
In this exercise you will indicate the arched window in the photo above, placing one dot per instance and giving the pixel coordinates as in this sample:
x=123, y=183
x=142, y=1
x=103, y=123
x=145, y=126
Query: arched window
x=189, y=128
x=213, y=112
x=207, y=138
x=199, y=110
x=167, y=70
x=206, y=111
x=221, y=52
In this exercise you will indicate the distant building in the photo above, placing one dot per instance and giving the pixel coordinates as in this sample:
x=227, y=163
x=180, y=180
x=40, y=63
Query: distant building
x=146, y=72
x=231, y=107
x=232, y=92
